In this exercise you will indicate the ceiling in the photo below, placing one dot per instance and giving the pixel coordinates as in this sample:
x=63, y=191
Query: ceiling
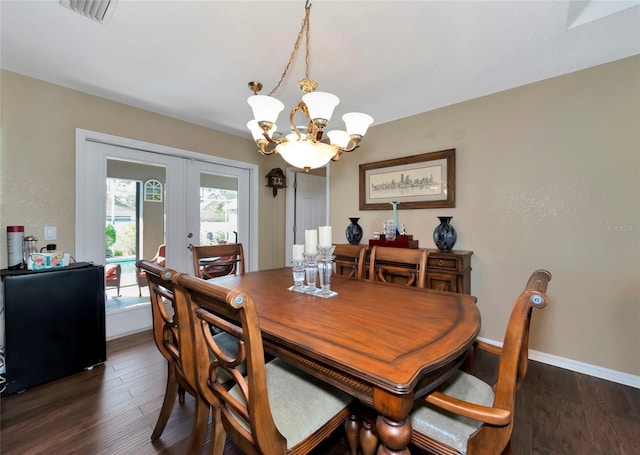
x=191, y=60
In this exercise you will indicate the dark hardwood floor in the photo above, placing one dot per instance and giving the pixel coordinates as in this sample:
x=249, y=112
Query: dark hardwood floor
x=112, y=409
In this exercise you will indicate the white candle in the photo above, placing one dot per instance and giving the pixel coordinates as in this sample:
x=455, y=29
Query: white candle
x=298, y=251
x=324, y=236
x=311, y=241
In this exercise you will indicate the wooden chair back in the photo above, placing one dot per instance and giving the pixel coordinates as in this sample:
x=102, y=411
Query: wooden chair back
x=407, y=266
x=349, y=259
x=165, y=327
x=497, y=419
x=172, y=336
x=248, y=421
x=212, y=261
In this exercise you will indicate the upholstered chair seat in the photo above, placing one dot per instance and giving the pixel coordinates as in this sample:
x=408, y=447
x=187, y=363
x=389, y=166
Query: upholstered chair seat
x=300, y=404
x=446, y=427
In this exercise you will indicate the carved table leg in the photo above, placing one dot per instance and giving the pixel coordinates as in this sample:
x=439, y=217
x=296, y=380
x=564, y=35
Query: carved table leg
x=394, y=436
x=351, y=429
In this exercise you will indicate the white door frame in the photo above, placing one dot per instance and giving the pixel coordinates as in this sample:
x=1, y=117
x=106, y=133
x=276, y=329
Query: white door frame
x=90, y=240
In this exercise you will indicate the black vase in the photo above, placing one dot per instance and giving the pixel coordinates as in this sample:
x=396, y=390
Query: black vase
x=444, y=235
x=354, y=232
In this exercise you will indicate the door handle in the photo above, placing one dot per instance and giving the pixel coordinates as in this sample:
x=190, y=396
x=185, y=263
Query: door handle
x=190, y=247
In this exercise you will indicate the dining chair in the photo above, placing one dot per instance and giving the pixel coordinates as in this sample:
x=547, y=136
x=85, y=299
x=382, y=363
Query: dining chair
x=174, y=348
x=468, y=416
x=349, y=259
x=275, y=408
x=158, y=259
x=407, y=266
x=174, y=340
x=212, y=261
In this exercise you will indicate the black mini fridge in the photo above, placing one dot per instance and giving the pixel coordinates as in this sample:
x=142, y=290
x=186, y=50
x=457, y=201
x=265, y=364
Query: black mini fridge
x=54, y=323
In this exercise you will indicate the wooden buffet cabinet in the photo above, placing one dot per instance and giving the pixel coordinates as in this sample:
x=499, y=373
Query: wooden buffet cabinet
x=449, y=271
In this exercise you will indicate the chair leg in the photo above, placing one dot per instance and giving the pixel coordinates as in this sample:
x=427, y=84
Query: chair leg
x=167, y=404
x=218, y=435
x=199, y=428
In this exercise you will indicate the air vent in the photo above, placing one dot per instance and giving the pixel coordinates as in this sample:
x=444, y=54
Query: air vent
x=98, y=10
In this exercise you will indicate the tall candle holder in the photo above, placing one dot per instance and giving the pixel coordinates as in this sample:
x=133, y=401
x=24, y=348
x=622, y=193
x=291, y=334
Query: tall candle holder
x=298, y=276
x=311, y=270
x=325, y=269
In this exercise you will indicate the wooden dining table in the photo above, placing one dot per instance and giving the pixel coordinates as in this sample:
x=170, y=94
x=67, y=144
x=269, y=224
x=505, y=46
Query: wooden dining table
x=386, y=345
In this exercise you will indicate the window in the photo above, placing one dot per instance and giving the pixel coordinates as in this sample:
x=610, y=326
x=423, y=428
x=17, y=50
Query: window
x=152, y=191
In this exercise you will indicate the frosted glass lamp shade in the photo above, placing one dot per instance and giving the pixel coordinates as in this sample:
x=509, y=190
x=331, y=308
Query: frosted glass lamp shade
x=339, y=138
x=306, y=154
x=292, y=137
x=265, y=108
x=256, y=131
x=320, y=104
x=357, y=123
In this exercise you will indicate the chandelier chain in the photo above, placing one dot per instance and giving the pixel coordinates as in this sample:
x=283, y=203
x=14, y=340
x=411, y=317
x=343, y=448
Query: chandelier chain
x=307, y=51
x=308, y=150
x=304, y=28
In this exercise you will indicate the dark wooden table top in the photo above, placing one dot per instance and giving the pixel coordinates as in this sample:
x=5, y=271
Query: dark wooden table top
x=385, y=335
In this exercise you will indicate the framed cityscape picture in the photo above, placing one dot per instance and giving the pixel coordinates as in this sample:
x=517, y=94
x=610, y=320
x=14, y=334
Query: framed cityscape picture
x=420, y=181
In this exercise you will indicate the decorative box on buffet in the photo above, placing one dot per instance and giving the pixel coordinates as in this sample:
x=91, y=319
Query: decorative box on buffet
x=401, y=241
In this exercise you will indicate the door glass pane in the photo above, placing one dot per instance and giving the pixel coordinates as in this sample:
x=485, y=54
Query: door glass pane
x=218, y=209
x=134, y=229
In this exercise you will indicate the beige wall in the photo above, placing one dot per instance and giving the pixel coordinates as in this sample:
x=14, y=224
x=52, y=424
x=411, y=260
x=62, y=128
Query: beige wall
x=37, y=157
x=548, y=176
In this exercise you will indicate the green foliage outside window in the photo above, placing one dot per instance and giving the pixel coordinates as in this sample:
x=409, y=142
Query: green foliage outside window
x=111, y=235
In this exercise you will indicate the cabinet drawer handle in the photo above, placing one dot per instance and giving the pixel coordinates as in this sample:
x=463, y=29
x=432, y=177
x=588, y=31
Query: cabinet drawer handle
x=440, y=262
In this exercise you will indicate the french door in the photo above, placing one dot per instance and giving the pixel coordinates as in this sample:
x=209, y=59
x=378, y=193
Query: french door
x=203, y=202
x=187, y=180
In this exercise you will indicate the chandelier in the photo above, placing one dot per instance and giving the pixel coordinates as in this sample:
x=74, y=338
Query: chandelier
x=305, y=146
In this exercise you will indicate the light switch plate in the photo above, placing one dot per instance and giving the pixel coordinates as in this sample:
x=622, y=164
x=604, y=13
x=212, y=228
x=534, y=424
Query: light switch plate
x=50, y=233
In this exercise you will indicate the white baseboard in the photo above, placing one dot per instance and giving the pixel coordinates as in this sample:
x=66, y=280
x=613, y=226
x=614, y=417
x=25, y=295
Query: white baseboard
x=579, y=367
x=126, y=334
x=128, y=321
